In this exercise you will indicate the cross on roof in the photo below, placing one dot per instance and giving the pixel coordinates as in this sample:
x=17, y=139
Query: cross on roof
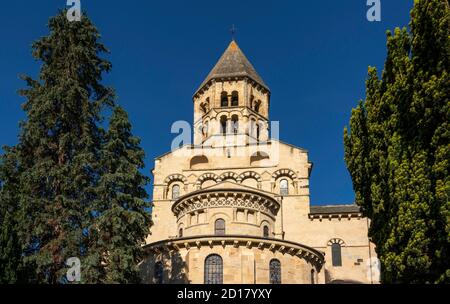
x=233, y=31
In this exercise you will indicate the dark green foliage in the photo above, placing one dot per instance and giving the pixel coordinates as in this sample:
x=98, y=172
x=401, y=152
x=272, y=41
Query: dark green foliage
x=398, y=150
x=11, y=268
x=70, y=189
x=123, y=222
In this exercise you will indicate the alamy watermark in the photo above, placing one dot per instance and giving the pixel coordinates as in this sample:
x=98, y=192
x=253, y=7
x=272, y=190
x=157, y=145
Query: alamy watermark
x=374, y=12
x=74, y=272
x=74, y=12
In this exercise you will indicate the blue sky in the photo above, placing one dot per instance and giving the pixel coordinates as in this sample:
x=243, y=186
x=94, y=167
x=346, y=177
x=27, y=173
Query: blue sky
x=312, y=54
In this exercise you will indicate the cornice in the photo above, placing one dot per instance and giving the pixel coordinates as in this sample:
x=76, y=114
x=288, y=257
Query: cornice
x=275, y=245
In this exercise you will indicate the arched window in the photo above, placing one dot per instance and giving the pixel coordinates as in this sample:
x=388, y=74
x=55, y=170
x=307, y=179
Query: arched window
x=214, y=269
x=266, y=231
x=313, y=276
x=223, y=125
x=158, y=275
x=219, y=227
x=275, y=271
x=284, y=187
x=234, y=99
x=257, y=105
x=224, y=99
x=258, y=131
x=235, y=124
x=175, y=191
x=180, y=233
x=205, y=129
x=253, y=128
x=336, y=255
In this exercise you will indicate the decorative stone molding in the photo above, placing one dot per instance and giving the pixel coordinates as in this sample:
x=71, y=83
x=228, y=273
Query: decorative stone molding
x=230, y=175
x=336, y=241
x=338, y=216
x=175, y=178
x=250, y=174
x=284, y=172
x=232, y=198
x=208, y=176
x=311, y=255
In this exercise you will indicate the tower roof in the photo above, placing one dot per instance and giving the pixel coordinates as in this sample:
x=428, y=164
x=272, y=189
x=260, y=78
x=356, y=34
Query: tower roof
x=233, y=63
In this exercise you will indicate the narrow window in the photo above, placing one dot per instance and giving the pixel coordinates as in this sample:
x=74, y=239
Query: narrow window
x=219, y=227
x=252, y=128
x=175, y=192
x=214, y=269
x=313, y=276
x=336, y=255
x=275, y=272
x=234, y=99
x=224, y=100
x=158, y=273
x=235, y=124
x=257, y=106
x=284, y=187
x=180, y=233
x=266, y=231
x=223, y=125
x=258, y=131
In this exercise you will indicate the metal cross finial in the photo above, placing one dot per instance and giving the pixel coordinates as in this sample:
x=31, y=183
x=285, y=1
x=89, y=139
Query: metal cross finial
x=233, y=31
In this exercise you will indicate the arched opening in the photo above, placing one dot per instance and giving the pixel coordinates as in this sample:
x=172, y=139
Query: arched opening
x=205, y=129
x=214, y=269
x=224, y=100
x=219, y=227
x=158, y=274
x=336, y=254
x=275, y=272
x=175, y=192
x=180, y=232
x=284, y=187
x=257, y=105
x=258, y=131
x=235, y=124
x=234, y=99
x=223, y=125
x=253, y=127
x=266, y=232
x=198, y=162
x=313, y=276
x=260, y=159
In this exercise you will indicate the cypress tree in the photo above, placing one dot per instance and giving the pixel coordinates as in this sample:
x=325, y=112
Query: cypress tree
x=60, y=147
x=123, y=218
x=398, y=150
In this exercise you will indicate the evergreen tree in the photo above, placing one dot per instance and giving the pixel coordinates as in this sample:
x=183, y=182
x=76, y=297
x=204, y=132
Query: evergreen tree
x=11, y=269
x=60, y=147
x=122, y=218
x=398, y=150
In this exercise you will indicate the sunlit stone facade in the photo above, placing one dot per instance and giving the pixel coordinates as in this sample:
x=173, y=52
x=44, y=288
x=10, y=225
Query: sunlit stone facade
x=234, y=207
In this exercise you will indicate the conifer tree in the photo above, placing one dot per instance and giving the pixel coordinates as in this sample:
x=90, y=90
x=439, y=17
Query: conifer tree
x=11, y=268
x=123, y=218
x=398, y=150
x=60, y=147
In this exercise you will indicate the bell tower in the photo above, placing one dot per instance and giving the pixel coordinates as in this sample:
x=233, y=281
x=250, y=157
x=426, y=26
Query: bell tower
x=231, y=107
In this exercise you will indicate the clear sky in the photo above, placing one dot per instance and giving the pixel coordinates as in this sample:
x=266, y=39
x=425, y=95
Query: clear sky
x=312, y=54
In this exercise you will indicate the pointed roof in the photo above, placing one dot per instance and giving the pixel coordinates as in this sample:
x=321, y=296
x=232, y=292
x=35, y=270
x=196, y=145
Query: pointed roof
x=233, y=63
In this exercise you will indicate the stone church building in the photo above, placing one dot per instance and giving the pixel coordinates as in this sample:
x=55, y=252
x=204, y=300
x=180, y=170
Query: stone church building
x=234, y=206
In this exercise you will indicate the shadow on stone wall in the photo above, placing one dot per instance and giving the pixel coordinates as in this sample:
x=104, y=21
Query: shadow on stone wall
x=174, y=271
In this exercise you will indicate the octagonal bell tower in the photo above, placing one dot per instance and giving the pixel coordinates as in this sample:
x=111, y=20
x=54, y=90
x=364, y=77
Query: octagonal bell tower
x=231, y=107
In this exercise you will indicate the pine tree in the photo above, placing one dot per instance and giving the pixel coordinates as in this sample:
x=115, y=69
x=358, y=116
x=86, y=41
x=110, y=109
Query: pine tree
x=398, y=150
x=123, y=220
x=60, y=147
x=11, y=268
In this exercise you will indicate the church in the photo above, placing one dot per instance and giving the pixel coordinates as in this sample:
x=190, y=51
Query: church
x=234, y=206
